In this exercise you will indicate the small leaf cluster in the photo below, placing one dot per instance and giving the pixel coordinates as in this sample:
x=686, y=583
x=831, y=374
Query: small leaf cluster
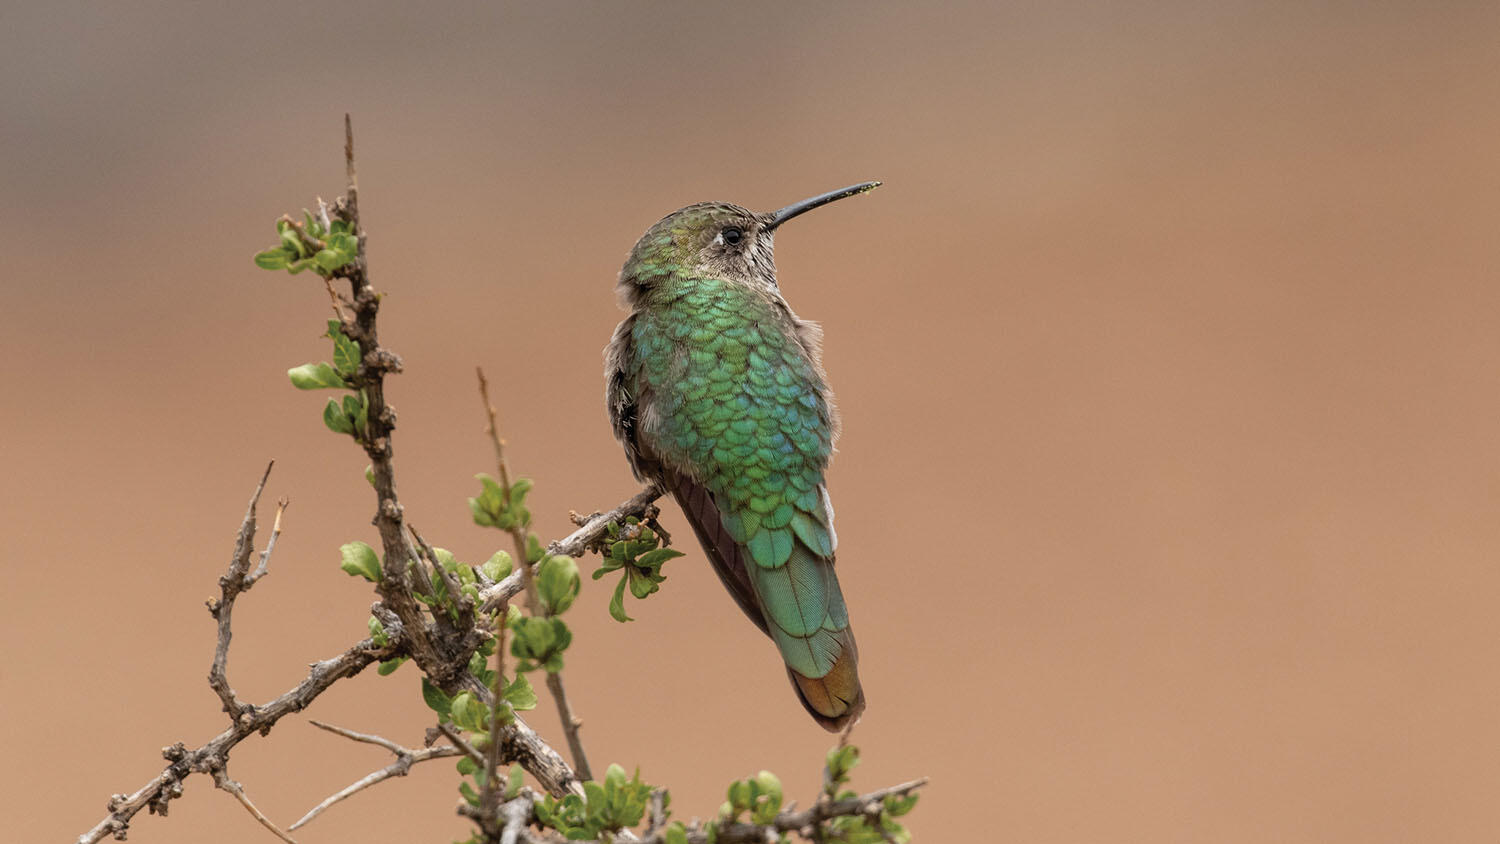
x=381, y=639
x=352, y=415
x=557, y=583
x=360, y=560
x=493, y=508
x=514, y=779
x=471, y=578
x=471, y=715
x=311, y=245
x=540, y=642
x=610, y=806
x=859, y=829
x=637, y=550
x=759, y=795
x=535, y=642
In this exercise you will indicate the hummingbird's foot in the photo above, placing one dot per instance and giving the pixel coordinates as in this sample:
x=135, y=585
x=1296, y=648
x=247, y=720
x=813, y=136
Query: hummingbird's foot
x=651, y=522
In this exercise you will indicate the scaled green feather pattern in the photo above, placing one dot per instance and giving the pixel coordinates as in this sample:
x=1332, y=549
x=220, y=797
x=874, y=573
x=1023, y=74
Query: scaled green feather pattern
x=743, y=408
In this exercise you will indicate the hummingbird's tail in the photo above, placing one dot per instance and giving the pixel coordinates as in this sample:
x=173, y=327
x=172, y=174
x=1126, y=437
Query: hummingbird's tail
x=795, y=599
x=836, y=698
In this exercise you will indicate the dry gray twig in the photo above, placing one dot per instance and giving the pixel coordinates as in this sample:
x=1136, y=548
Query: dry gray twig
x=405, y=758
x=238, y=579
x=222, y=780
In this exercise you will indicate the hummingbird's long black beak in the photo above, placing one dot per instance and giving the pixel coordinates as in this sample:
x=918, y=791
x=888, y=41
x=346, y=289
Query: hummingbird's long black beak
x=806, y=205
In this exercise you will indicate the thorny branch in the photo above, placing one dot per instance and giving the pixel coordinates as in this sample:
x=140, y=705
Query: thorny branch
x=239, y=579
x=805, y=823
x=442, y=651
x=246, y=720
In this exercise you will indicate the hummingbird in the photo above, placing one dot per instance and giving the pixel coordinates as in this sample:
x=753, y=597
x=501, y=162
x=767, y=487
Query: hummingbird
x=716, y=390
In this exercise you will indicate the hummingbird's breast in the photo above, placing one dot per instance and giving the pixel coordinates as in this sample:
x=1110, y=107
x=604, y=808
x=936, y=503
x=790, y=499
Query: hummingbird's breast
x=727, y=392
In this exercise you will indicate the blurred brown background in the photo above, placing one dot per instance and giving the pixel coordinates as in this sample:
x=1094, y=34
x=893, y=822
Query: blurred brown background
x=1167, y=357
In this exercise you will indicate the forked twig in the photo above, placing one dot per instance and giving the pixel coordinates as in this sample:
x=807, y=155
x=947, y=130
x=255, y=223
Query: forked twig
x=405, y=758
x=222, y=780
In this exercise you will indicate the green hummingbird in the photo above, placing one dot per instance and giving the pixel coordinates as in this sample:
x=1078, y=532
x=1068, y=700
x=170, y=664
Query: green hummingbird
x=716, y=389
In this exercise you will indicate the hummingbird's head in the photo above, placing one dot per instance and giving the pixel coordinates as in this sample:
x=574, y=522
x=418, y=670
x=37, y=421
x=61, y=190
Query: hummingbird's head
x=715, y=240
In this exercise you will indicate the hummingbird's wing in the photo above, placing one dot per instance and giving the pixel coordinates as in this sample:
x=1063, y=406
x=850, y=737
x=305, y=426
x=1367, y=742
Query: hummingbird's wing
x=724, y=553
x=624, y=404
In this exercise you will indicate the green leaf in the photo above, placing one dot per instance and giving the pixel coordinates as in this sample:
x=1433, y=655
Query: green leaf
x=497, y=567
x=739, y=795
x=329, y=260
x=481, y=515
x=518, y=491
x=557, y=583
x=839, y=762
x=489, y=508
x=677, y=833
x=356, y=411
x=593, y=796
x=292, y=242
x=335, y=420
x=513, y=782
x=640, y=585
x=467, y=712
x=370, y=474
x=436, y=700
x=347, y=245
x=655, y=557
x=539, y=642
x=467, y=767
x=272, y=259
x=767, y=802
x=377, y=632
x=897, y=805
x=617, y=603
x=316, y=376
x=390, y=666
x=520, y=694
x=346, y=354
x=534, y=549
x=446, y=559
x=359, y=559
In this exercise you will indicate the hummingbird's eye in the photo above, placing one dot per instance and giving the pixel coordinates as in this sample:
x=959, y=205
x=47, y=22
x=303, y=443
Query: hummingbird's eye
x=732, y=236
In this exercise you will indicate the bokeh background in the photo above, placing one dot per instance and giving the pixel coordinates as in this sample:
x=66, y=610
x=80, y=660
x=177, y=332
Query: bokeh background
x=1167, y=357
